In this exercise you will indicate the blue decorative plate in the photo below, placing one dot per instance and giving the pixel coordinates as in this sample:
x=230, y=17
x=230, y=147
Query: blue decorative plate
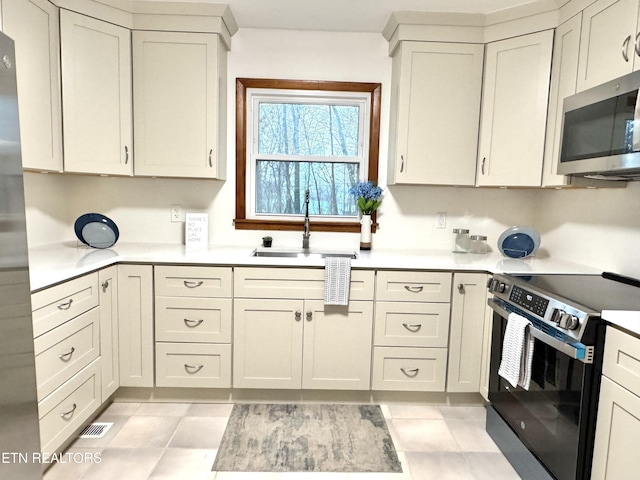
x=519, y=241
x=96, y=230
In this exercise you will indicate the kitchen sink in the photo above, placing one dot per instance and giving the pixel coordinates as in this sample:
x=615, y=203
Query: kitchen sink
x=302, y=253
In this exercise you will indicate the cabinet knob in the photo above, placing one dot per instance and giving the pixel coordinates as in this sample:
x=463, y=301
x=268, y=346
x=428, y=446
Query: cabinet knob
x=105, y=285
x=460, y=287
x=298, y=315
x=309, y=316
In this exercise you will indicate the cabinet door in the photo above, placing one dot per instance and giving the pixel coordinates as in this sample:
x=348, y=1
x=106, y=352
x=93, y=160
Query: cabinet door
x=96, y=93
x=615, y=454
x=267, y=343
x=135, y=325
x=467, y=328
x=436, y=114
x=564, y=73
x=34, y=27
x=108, y=280
x=514, y=110
x=607, y=41
x=337, y=346
x=176, y=102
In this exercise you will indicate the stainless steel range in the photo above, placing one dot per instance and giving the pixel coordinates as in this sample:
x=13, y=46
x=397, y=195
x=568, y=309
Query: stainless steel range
x=547, y=431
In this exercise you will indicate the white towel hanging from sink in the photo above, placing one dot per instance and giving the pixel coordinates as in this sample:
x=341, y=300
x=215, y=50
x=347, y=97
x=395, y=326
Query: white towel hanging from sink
x=337, y=279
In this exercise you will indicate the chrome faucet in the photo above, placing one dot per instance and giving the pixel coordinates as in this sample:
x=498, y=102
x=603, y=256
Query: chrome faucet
x=306, y=234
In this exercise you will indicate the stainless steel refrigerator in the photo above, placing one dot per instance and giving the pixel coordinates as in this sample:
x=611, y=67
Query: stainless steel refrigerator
x=19, y=432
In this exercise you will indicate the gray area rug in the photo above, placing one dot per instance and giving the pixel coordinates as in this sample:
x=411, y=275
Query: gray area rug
x=306, y=438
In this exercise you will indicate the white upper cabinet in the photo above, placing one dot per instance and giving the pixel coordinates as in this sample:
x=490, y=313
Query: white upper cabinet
x=179, y=95
x=514, y=110
x=610, y=42
x=564, y=74
x=96, y=92
x=33, y=25
x=434, y=113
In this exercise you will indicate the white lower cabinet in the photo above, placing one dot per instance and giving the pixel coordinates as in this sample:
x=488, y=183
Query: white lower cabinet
x=67, y=408
x=193, y=326
x=618, y=423
x=135, y=325
x=108, y=291
x=411, y=331
x=280, y=343
x=291, y=343
x=68, y=362
x=468, y=306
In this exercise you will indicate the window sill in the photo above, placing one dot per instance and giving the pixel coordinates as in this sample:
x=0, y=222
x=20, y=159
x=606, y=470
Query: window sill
x=348, y=227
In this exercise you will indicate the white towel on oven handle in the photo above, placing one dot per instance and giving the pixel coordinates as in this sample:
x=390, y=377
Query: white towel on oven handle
x=517, y=352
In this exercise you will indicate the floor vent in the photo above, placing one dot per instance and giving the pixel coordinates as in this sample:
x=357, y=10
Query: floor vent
x=96, y=430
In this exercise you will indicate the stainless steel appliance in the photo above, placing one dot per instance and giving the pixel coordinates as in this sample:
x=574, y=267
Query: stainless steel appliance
x=601, y=131
x=547, y=431
x=19, y=431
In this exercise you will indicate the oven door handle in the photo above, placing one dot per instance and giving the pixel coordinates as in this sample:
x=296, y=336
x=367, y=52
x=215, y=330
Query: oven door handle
x=585, y=355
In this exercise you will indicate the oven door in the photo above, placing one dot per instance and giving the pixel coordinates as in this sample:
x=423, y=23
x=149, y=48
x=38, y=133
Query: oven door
x=555, y=418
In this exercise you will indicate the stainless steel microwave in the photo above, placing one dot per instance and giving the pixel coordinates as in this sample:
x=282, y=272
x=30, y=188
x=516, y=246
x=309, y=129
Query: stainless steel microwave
x=601, y=131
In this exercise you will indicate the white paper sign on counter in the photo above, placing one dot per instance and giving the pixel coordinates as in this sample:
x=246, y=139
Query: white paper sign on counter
x=197, y=230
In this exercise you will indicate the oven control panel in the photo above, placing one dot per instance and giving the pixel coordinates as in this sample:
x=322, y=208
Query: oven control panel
x=529, y=301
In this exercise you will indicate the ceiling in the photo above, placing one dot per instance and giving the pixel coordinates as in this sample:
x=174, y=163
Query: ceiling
x=346, y=15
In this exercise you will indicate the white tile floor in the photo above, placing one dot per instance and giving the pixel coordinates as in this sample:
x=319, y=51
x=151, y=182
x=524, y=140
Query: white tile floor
x=161, y=441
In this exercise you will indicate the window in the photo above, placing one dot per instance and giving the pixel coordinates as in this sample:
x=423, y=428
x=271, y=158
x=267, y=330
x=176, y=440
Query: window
x=297, y=135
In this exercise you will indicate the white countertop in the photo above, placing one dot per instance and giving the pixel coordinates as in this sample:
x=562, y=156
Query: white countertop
x=629, y=320
x=53, y=264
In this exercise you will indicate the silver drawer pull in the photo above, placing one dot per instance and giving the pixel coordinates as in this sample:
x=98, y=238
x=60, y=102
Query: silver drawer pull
x=412, y=327
x=410, y=372
x=190, y=284
x=413, y=288
x=69, y=412
x=192, y=323
x=66, y=356
x=105, y=285
x=65, y=305
x=193, y=368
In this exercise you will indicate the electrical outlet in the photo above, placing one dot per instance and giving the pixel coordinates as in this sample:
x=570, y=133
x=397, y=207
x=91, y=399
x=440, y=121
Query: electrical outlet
x=177, y=213
x=441, y=220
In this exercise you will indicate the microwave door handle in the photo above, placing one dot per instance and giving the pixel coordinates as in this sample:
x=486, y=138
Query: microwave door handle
x=636, y=124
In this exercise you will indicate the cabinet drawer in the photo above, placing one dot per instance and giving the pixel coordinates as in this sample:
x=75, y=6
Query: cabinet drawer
x=413, y=286
x=621, y=361
x=204, y=320
x=193, y=365
x=410, y=369
x=296, y=283
x=407, y=324
x=179, y=281
x=63, y=352
x=56, y=305
x=68, y=407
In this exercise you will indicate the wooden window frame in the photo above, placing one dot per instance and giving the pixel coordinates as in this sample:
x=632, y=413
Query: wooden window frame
x=241, y=221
